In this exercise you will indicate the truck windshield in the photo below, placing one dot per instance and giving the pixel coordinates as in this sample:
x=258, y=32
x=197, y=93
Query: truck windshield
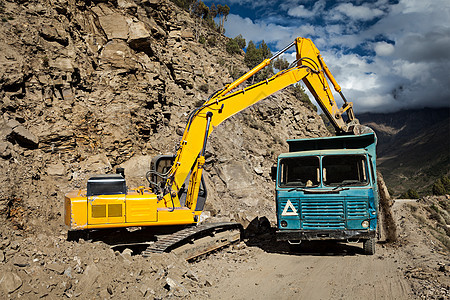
x=299, y=172
x=344, y=170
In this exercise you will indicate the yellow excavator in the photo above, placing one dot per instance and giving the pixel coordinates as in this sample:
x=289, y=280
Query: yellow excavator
x=177, y=194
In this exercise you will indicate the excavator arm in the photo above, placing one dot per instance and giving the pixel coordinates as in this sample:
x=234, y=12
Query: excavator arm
x=107, y=203
x=309, y=67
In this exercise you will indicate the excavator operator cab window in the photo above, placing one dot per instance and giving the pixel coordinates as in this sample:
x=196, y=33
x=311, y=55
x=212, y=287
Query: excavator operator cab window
x=299, y=172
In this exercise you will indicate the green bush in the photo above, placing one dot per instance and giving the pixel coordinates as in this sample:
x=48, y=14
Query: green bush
x=202, y=40
x=240, y=41
x=441, y=186
x=232, y=47
x=410, y=194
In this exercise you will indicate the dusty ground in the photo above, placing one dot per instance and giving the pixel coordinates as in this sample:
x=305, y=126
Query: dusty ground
x=416, y=267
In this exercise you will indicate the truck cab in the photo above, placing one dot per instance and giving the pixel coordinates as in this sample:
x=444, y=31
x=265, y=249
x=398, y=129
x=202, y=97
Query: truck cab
x=326, y=189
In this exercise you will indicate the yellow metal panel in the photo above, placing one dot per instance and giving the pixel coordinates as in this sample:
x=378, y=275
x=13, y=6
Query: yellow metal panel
x=115, y=210
x=98, y=206
x=99, y=211
x=176, y=217
x=75, y=211
x=141, y=208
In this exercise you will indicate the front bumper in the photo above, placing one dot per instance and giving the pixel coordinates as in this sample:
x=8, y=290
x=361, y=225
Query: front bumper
x=311, y=235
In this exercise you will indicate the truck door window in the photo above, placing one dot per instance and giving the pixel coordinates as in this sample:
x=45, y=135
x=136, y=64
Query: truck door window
x=345, y=170
x=299, y=172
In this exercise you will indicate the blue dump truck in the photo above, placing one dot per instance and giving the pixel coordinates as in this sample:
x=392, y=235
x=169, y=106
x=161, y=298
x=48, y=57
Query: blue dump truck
x=326, y=189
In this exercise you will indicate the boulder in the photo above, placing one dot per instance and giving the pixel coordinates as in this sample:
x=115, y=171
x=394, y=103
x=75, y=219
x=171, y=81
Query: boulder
x=62, y=63
x=88, y=280
x=5, y=149
x=237, y=178
x=115, y=26
x=137, y=166
x=96, y=164
x=10, y=282
x=118, y=55
x=20, y=134
x=54, y=34
x=138, y=36
x=57, y=169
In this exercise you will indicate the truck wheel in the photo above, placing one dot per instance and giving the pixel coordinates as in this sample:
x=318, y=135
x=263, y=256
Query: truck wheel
x=369, y=246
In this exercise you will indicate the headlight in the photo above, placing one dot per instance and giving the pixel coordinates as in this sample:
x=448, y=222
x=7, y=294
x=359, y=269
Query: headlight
x=365, y=224
x=283, y=224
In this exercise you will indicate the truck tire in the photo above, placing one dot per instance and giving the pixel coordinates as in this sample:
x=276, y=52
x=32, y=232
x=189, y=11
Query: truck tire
x=369, y=246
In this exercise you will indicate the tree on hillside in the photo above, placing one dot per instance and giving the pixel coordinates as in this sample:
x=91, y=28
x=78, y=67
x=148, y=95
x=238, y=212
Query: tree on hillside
x=222, y=11
x=232, y=47
x=240, y=41
x=264, y=50
x=200, y=9
x=280, y=64
x=235, y=45
x=252, y=57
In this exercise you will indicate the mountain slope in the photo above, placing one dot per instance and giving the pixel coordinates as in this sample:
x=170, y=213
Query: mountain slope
x=87, y=86
x=413, y=146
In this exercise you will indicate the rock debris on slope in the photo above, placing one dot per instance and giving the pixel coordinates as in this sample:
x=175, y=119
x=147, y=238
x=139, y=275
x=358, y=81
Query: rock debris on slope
x=87, y=86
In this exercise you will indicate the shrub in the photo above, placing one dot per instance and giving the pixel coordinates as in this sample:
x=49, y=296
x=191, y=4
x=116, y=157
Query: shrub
x=240, y=41
x=410, y=194
x=232, y=47
x=441, y=186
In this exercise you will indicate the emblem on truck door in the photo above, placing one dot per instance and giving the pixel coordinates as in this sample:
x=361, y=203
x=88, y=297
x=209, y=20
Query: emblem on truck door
x=287, y=207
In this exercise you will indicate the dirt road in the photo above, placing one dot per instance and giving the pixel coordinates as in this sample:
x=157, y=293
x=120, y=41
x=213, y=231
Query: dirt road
x=341, y=272
x=265, y=270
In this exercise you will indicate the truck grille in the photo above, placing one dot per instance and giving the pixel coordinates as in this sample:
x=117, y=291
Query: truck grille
x=356, y=209
x=326, y=213
x=317, y=214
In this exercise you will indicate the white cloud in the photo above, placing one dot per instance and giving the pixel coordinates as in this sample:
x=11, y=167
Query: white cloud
x=301, y=11
x=258, y=31
x=359, y=13
x=384, y=49
x=410, y=43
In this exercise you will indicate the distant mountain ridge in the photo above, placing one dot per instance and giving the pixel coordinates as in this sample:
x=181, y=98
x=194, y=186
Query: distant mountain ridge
x=413, y=146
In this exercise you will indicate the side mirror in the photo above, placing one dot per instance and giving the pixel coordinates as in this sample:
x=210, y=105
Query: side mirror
x=273, y=173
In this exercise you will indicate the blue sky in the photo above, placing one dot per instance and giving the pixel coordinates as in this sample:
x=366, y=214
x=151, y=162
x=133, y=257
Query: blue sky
x=386, y=55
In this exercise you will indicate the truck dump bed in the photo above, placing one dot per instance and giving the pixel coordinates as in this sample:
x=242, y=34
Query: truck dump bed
x=365, y=141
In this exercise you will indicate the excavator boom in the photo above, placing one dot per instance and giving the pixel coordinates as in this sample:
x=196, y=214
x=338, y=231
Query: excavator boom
x=162, y=205
x=309, y=67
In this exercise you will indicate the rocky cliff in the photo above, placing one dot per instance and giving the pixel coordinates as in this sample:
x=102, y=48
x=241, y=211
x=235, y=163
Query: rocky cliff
x=86, y=86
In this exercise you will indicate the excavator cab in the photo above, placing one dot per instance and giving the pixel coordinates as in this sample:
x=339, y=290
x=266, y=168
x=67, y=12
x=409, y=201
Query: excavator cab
x=157, y=178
